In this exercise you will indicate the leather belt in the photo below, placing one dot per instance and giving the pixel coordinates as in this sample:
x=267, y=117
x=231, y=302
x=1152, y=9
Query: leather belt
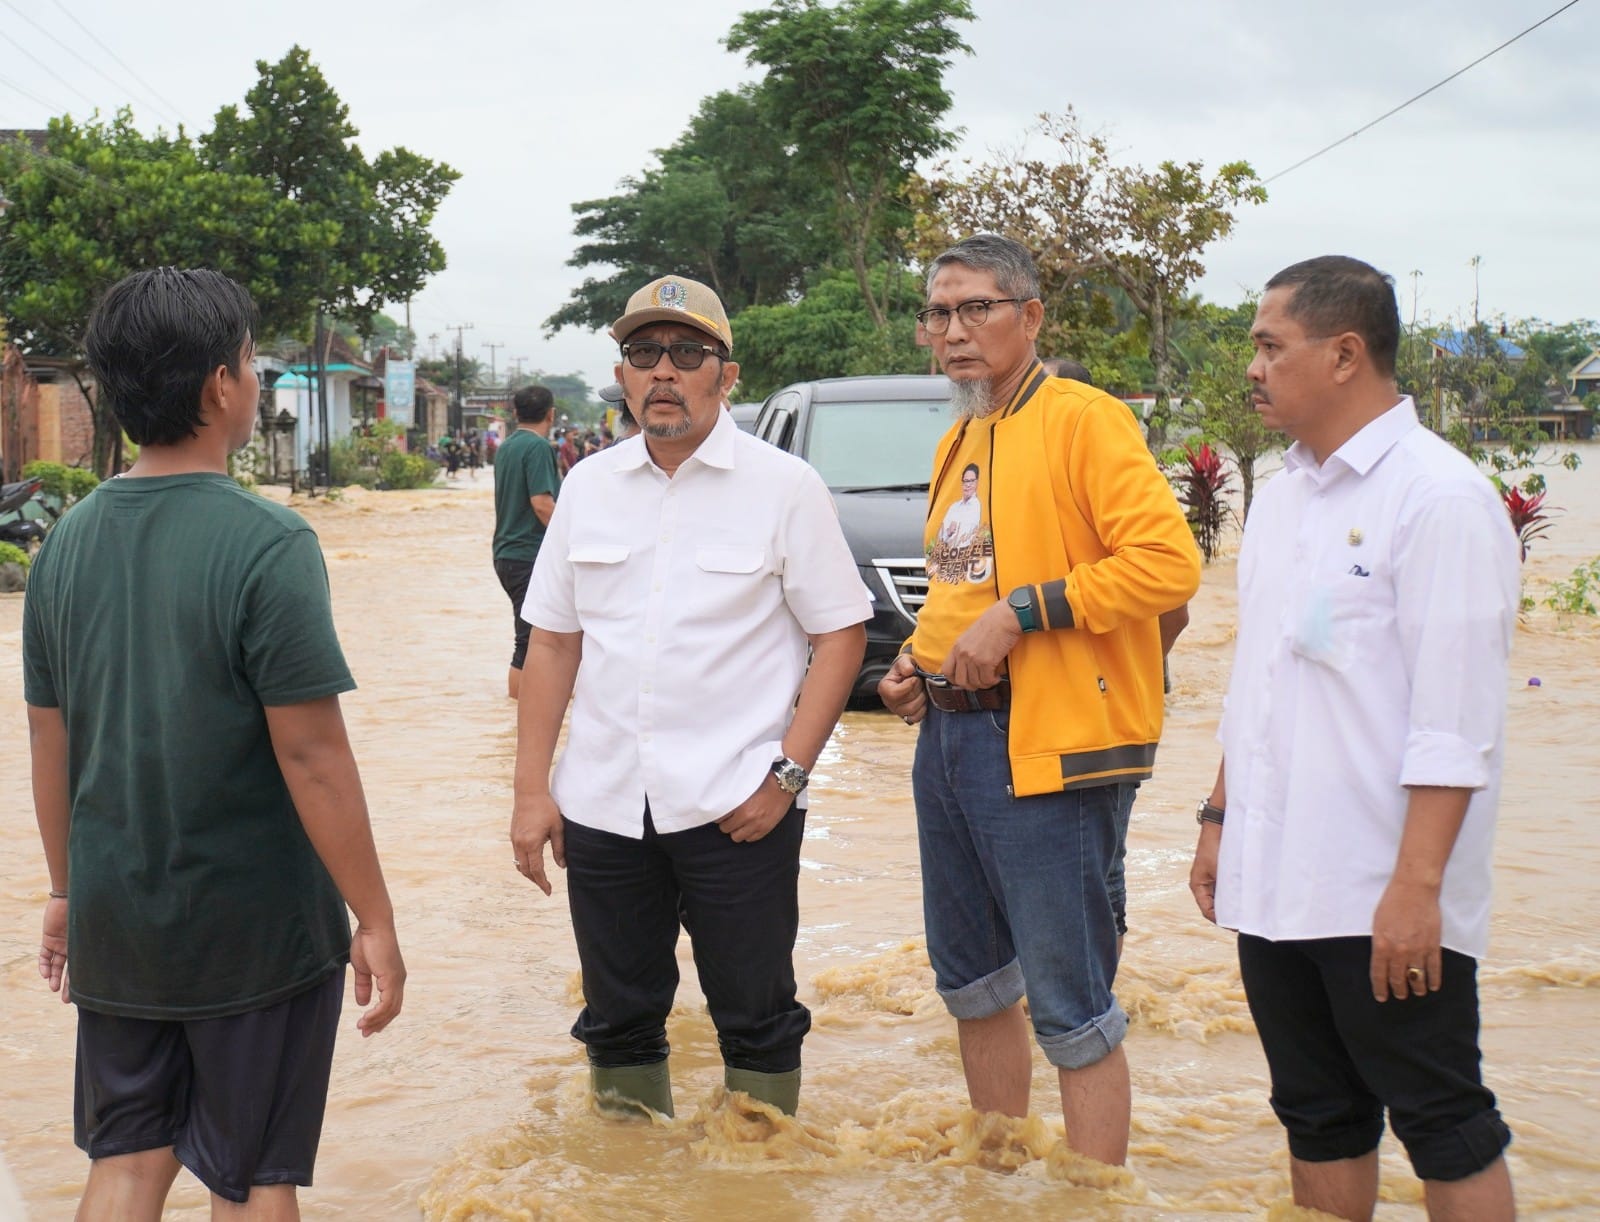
x=949, y=699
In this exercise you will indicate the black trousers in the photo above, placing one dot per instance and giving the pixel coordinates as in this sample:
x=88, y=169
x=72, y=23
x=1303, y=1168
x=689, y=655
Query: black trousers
x=514, y=576
x=740, y=906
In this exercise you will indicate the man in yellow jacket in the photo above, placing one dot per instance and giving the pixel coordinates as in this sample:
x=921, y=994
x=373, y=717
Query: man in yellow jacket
x=1035, y=672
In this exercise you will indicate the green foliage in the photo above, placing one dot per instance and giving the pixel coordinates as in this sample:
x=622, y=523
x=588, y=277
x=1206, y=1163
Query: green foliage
x=1216, y=402
x=371, y=458
x=726, y=205
x=1483, y=400
x=67, y=484
x=10, y=553
x=1577, y=594
x=294, y=136
x=829, y=333
x=400, y=471
x=858, y=89
x=1090, y=221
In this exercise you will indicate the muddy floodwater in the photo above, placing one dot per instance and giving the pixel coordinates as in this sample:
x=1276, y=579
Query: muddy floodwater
x=472, y=1105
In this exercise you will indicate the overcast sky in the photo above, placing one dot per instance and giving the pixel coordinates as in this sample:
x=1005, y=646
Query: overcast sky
x=541, y=104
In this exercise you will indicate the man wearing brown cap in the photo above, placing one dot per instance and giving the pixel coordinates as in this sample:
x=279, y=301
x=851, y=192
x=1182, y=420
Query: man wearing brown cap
x=690, y=570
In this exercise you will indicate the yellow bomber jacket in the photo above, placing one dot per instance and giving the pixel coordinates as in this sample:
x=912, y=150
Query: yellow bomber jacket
x=1080, y=511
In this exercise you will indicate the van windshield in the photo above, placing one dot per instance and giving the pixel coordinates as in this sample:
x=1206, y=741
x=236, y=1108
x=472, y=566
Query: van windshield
x=887, y=444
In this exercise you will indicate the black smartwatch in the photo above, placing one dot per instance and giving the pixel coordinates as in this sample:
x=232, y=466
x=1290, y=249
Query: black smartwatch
x=791, y=777
x=1021, y=601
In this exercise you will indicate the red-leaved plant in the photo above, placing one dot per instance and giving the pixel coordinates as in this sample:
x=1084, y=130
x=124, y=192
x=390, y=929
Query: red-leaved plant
x=1202, y=484
x=1528, y=517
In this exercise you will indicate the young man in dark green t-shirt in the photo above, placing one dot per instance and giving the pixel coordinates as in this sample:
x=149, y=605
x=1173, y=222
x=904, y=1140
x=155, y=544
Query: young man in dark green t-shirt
x=201, y=811
x=525, y=487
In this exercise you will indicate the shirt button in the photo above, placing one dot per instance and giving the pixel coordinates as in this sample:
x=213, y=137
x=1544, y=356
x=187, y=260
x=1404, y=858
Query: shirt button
x=656, y=587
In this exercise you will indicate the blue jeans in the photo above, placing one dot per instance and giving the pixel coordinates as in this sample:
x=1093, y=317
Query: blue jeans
x=1014, y=890
x=1117, y=874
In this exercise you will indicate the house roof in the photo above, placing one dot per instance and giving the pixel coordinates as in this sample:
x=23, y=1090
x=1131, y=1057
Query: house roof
x=1587, y=368
x=1455, y=343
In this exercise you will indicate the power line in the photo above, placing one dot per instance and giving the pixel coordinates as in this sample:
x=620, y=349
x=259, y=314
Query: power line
x=1388, y=113
x=91, y=34
x=34, y=98
x=70, y=50
x=48, y=68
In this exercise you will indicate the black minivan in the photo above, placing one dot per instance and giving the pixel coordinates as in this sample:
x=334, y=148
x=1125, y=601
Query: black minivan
x=872, y=440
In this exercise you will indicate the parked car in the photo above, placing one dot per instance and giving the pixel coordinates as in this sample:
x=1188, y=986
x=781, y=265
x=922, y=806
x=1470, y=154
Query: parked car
x=744, y=415
x=872, y=440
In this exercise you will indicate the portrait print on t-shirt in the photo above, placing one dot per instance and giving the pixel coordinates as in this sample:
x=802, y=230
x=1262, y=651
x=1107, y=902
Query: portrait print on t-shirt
x=962, y=550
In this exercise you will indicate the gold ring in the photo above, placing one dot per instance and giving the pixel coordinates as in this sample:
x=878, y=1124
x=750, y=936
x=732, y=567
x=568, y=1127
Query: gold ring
x=1414, y=973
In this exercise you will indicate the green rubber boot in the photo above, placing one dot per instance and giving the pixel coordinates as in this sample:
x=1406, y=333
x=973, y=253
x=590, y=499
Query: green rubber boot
x=632, y=1090
x=781, y=1090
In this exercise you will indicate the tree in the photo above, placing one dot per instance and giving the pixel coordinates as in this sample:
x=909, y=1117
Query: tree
x=1086, y=218
x=858, y=90
x=1217, y=403
x=725, y=204
x=828, y=333
x=1475, y=389
x=99, y=201
x=296, y=136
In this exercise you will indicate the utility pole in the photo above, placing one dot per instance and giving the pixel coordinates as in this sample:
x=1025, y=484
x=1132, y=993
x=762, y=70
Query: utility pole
x=1473, y=263
x=433, y=346
x=516, y=364
x=494, y=377
x=458, y=408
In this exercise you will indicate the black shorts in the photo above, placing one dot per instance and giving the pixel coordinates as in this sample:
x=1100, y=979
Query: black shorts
x=240, y=1099
x=514, y=576
x=1338, y=1057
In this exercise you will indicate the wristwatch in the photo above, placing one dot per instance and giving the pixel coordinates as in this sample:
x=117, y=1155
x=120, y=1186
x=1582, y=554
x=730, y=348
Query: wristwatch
x=1207, y=813
x=791, y=777
x=1021, y=601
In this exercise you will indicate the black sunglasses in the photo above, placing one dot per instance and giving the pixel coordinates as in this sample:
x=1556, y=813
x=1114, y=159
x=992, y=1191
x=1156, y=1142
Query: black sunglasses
x=646, y=354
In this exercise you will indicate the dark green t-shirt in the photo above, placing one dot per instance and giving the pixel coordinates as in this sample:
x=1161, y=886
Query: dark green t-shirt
x=524, y=467
x=162, y=615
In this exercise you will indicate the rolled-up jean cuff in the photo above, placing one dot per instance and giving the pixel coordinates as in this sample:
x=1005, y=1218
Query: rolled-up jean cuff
x=986, y=996
x=1465, y=1150
x=1088, y=1044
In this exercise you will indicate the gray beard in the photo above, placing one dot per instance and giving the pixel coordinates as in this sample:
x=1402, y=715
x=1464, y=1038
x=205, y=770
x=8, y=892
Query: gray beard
x=666, y=432
x=970, y=400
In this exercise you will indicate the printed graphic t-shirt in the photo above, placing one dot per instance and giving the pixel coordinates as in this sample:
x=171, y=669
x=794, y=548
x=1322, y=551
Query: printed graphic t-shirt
x=958, y=546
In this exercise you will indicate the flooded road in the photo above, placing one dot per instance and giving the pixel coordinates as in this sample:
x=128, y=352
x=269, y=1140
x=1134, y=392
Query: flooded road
x=472, y=1106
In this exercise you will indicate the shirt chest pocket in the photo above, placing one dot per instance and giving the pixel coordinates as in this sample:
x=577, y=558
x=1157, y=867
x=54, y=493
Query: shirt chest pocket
x=1340, y=618
x=599, y=585
x=728, y=580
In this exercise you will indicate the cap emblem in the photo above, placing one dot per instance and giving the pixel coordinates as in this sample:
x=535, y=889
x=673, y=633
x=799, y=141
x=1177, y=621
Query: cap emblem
x=672, y=295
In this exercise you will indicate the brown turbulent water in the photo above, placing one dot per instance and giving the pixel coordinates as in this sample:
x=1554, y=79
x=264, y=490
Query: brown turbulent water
x=472, y=1106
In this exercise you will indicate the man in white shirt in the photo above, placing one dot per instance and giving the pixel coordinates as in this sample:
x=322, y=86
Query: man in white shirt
x=1349, y=833
x=686, y=574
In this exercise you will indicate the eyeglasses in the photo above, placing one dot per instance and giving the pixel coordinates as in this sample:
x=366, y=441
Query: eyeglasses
x=974, y=313
x=646, y=354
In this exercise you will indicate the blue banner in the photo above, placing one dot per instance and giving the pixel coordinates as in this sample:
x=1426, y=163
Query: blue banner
x=400, y=390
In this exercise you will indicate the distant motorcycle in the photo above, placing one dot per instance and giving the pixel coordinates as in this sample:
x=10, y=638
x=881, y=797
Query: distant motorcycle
x=18, y=526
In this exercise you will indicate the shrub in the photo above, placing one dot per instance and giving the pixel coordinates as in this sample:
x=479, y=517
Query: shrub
x=10, y=553
x=1202, y=484
x=69, y=484
x=397, y=470
x=1528, y=517
x=1576, y=595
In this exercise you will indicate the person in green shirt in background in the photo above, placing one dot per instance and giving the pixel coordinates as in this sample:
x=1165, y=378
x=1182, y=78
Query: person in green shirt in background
x=525, y=487
x=201, y=811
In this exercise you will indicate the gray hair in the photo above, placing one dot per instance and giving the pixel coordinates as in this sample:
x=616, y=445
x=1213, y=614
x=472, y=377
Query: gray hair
x=1008, y=261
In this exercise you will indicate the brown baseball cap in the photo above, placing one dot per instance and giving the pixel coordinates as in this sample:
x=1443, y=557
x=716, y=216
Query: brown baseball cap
x=675, y=299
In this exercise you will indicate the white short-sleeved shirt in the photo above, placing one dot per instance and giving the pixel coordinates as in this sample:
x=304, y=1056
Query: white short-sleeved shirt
x=695, y=595
x=1378, y=595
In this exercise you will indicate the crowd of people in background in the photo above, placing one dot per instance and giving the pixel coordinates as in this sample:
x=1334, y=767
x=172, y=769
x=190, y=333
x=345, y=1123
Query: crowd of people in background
x=469, y=449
